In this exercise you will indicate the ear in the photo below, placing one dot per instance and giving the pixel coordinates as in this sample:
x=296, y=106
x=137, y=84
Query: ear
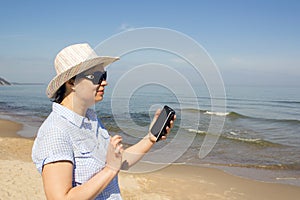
x=70, y=83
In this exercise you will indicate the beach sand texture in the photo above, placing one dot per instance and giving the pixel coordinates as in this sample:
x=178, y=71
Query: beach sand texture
x=19, y=178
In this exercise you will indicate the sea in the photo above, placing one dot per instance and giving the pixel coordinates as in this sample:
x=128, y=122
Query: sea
x=259, y=136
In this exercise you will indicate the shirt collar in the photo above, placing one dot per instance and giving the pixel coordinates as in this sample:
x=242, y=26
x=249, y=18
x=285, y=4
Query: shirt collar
x=73, y=117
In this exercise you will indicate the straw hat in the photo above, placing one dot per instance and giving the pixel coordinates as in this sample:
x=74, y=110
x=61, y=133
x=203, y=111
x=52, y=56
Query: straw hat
x=73, y=60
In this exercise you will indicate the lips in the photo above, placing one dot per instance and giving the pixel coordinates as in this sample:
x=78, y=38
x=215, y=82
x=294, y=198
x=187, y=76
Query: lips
x=100, y=91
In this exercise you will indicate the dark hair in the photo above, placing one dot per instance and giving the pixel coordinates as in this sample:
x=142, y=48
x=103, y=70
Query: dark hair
x=61, y=93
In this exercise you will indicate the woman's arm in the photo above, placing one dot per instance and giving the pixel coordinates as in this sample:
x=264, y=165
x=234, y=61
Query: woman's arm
x=57, y=176
x=134, y=153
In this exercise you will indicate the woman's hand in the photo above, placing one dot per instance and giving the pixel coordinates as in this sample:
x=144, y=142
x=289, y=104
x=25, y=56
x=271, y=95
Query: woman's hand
x=114, y=153
x=135, y=152
x=168, y=128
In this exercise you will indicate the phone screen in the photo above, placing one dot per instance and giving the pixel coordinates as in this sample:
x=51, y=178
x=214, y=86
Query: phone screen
x=159, y=127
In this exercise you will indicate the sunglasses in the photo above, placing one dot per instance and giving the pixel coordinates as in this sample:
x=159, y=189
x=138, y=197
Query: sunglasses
x=96, y=77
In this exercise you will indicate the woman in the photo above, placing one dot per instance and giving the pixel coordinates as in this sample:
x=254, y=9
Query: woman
x=73, y=151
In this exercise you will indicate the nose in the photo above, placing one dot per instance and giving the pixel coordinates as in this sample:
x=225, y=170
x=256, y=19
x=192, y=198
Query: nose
x=104, y=83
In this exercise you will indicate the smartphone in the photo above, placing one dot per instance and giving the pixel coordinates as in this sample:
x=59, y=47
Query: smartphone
x=159, y=127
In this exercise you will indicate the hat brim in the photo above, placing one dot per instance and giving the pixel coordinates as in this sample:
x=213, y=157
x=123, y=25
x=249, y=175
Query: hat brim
x=60, y=79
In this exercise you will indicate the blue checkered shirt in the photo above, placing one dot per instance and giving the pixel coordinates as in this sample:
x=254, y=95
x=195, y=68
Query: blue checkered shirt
x=65, y=135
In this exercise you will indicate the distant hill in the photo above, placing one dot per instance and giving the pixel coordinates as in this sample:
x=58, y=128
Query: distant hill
x=4, y=82
x=16, y=83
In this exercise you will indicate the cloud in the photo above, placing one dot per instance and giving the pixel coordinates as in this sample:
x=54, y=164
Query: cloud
x=125, y=27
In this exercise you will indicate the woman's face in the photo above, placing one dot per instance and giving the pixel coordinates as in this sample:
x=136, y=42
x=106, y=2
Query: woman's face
x=88, y=92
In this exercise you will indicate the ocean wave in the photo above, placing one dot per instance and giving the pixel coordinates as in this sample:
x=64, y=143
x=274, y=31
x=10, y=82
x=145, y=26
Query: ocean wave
x=4, y=103
x=208, y=112
x=250, y=140
x=227, y=114
x=292, y=121
x=236, y=115
x=281, y=166
x=194, y=110
x=237, y=138
x=217, y=113
x=264, y=101
x=196, y=131
x=287, y=101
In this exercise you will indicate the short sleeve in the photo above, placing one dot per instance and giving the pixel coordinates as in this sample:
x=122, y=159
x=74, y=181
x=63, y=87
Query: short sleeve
x=51, y=145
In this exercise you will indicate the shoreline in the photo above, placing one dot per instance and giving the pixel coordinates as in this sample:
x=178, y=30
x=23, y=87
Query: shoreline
x=20, y=179
x=9, y=128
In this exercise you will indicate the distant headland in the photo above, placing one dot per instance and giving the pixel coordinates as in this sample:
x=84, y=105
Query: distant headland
x=5, y=82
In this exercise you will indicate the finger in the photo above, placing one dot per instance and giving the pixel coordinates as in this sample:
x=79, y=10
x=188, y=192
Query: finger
x=115, y=141
x=163, y=137
x=171, y=124
x=119, y=149
x=167, y=129
x=174, y=118
x=116, y=137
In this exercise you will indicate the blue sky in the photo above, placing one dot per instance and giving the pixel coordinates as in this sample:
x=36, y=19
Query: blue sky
x=252, y=42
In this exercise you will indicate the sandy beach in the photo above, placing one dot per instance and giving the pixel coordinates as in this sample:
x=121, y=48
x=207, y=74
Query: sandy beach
x=20, y=179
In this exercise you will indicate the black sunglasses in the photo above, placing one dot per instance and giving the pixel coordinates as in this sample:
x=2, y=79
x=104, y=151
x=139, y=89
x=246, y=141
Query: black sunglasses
x=96, y=77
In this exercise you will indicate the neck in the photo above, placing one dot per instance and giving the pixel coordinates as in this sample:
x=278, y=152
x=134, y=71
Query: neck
x=75, y=105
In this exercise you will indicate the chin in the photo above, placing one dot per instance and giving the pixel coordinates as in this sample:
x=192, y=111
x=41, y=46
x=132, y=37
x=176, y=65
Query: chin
x=97, y=99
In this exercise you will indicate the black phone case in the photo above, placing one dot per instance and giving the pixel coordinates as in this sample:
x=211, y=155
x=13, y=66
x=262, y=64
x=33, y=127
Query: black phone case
x=159, y=127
